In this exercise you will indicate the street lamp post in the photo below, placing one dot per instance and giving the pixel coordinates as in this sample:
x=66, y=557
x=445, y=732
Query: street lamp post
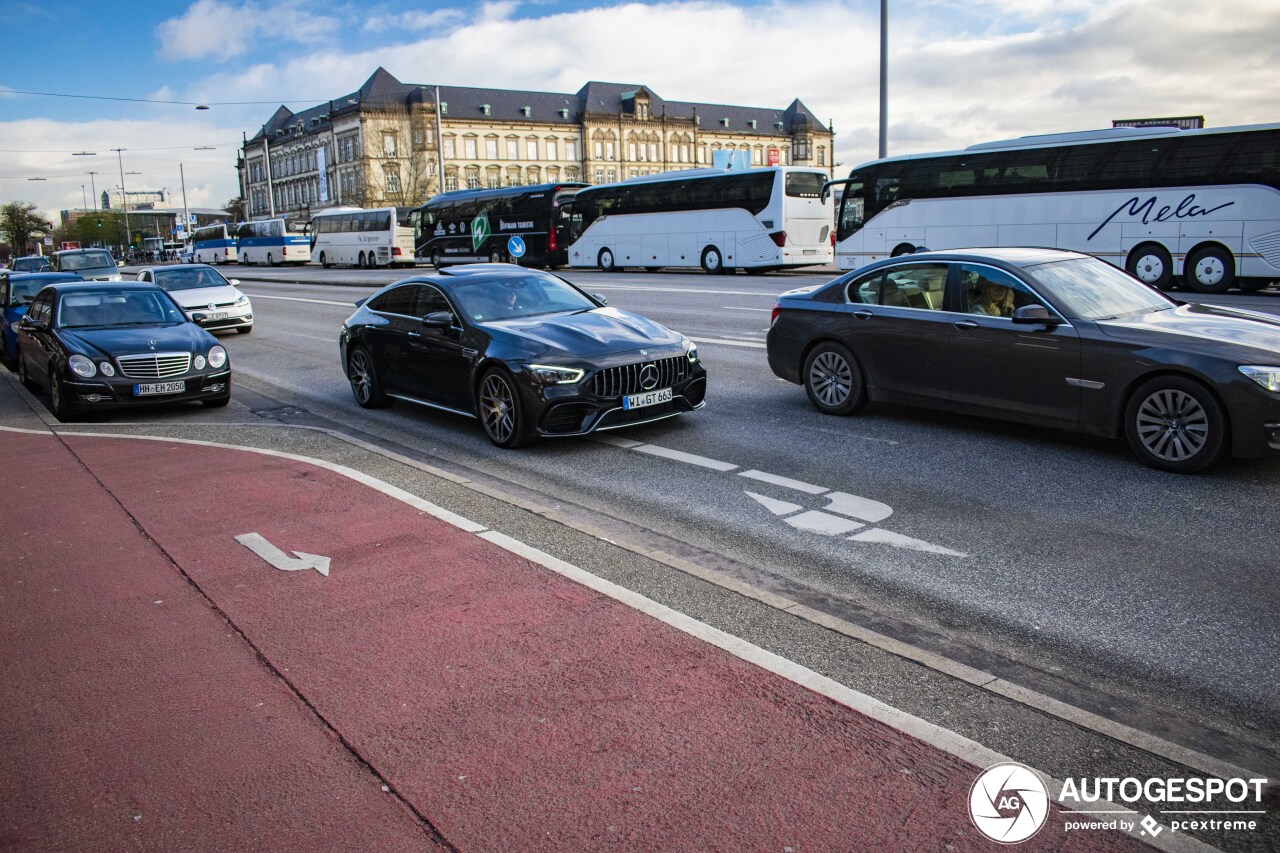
x=884, y=78
x=93, y=187
x=124, y=195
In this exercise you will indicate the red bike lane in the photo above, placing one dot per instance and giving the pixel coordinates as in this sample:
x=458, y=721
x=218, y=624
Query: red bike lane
x=509, y=707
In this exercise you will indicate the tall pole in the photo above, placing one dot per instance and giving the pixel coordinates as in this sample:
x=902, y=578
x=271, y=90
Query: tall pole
x=439, y=145
x=884, y=78
x=83, y=200
x=93, y=187
x=124, y=198
x=186, y=213
x=266, y=159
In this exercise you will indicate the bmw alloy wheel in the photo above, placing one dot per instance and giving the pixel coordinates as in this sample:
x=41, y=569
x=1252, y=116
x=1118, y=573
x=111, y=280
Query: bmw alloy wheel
x=1172, y=425
x=831, y=379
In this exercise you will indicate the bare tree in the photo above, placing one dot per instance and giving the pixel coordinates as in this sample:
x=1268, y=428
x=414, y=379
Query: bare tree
x=19, y=222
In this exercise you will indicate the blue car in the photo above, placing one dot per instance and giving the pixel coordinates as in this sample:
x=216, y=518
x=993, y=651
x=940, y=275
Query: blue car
x=16, y=292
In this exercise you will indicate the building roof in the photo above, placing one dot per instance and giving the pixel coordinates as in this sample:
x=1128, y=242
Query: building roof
x=382, y=89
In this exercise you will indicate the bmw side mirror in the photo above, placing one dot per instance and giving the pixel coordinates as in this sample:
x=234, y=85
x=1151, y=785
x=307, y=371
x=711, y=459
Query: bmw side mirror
x=600, y=298
x=438, y=319
x=1034, y=315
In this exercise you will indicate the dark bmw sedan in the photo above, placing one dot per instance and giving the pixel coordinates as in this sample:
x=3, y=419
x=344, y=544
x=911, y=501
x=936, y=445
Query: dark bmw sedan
x=1038, y=336
x=524, y=351
x=98, y=345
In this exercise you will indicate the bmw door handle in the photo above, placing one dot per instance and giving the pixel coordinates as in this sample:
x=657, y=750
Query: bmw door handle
x=863, y=315
x=965, y=324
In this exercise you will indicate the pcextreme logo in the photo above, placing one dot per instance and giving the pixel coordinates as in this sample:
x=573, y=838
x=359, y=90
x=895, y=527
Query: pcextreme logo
x=1008, y=803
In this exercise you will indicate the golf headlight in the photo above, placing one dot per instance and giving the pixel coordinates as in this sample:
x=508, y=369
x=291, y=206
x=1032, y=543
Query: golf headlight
x=691, y=351
x=550, y=374
x=1267, y=377
x=81, y=366
x=217, y=357
x=242, y=301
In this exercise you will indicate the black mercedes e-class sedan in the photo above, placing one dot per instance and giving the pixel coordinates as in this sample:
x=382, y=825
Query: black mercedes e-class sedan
x=524, y=351
x=1038, y=336
x=100, y=345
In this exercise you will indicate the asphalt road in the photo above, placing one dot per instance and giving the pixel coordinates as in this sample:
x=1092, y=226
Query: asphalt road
x=1053, y=559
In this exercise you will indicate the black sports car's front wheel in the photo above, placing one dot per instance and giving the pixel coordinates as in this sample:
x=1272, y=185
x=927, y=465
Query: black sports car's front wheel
x=501, y=412
x=833, y=380
x=365, y=385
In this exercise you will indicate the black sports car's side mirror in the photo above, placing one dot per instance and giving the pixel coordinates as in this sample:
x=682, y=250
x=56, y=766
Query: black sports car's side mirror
x=600, y=298
x=438, y=319
x=26, y=324
x=360, y=302
x=1034, y=315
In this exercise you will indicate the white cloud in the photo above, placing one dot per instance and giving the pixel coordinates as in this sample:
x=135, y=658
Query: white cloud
x=220, y=30
x=393, y=24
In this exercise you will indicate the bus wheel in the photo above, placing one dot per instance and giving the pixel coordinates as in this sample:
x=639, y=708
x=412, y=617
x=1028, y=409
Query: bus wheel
x=437, y=259
x=902, y=249
x=360, y=261
x=712, y=261
x=1151, y=265
x=1210, y=270
x=324, y=260
x=271, y=261
x=605, y=261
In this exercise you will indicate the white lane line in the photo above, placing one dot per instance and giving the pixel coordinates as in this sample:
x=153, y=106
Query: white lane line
x=350, y=305
x=737, y=308
x=617, y=441
x=785, y=482
x=591, y=287
x=751, y=344
x=687, y=458
x=311, y=337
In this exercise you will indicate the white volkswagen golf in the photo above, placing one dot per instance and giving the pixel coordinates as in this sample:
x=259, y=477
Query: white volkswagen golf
x=208, y=299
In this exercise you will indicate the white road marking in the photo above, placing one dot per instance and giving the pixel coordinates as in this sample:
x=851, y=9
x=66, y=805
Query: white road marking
x=687, y=458
x=823, y=523
x=675, y=290
x=774, y=506
x=350, y=305
x=751, y=344
x=858, y=507
x=785, y=482
x=897, y=540
x=311, y=337
x=736, y=308
x=258, y=544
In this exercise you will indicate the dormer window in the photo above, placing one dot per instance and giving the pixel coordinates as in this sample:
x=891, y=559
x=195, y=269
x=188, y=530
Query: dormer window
x=752, y=123
x=444, y=107
x=778, y=125
x=564, y=113
x=724, y=122
x=526, y=111
x=484, y=108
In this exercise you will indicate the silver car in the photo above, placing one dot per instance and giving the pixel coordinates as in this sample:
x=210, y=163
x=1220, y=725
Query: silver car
x=207, y=298
x=89, y=264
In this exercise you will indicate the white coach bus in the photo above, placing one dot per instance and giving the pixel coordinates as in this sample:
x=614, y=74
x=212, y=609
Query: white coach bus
x=757, y=219
x=1202, y=206
x=271, y=242
x=364, y=238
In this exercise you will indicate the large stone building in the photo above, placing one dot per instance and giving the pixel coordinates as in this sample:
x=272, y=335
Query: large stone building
x=385, y=143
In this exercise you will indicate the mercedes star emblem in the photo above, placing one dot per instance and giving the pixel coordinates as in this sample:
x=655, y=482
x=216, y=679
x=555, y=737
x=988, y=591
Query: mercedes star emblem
x=648, y=376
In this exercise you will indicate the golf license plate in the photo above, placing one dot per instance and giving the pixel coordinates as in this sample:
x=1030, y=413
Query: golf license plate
x=648, y=398
x=215, y=315
x=159, y=388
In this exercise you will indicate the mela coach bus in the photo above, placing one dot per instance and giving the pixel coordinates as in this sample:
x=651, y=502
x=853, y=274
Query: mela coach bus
x=214, y=244
x=523, y=225
x=1194, y=207
x=758, y=219
x=363, y=238
x=271, y=242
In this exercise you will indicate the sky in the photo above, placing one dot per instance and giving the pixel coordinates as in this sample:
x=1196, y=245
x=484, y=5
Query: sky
x=960, y=71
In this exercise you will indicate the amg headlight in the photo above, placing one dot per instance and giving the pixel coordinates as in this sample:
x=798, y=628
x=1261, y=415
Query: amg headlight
x=691, y=352
x=1267, y=377
x=81, y=366
x=217, y=357
x=550, y=374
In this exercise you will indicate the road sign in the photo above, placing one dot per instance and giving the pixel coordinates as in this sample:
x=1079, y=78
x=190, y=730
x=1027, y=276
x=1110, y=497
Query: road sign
x=515, y=246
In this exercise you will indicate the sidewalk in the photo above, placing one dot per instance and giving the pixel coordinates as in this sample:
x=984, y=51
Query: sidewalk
x=164, y=687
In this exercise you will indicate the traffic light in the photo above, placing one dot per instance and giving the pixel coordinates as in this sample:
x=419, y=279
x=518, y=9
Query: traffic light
x=99, y=223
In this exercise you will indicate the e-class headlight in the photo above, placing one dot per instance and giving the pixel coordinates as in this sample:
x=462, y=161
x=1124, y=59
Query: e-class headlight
x=217, y=357
x=81, y=366
x=550, y=374
x=1267, y=377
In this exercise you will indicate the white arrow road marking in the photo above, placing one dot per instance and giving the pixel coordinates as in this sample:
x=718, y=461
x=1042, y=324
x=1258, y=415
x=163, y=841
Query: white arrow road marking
x=273, y=555
x=775, y=506
x=858, y=507
x=814, y=521
x=897, y=540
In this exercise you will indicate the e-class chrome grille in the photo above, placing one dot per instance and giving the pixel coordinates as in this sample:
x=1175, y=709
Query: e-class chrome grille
x=158, y=365
x=620, y=381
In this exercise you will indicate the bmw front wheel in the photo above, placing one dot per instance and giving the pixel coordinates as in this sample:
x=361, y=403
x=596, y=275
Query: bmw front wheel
x=833, y=380
x=1176, y=424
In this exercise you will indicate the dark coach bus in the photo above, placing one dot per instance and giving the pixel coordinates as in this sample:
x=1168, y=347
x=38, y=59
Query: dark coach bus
x=523, y=225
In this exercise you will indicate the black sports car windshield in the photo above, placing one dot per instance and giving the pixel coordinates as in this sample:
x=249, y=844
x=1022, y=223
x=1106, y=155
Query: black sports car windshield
x=189, y=279
x=1090, y=289
x=117, y=307
x=516, y=296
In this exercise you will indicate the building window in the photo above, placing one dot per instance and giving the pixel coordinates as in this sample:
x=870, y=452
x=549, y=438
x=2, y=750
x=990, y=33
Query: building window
x=531, y=149
x=513, y=149
x=822, y=155
x=608, y=150
x=631, y=151
x=450, y=183
x=800, y=150
x=611, y=175
x=491, y=149
x=393, y=178
x=599, y=150
x=417, y=138
x=389, y=144
x=551, y=150
x=571, y=149
x=473, y=182
x=469, y=148
x=653, y=152
x=599, y=176
x=448, y=150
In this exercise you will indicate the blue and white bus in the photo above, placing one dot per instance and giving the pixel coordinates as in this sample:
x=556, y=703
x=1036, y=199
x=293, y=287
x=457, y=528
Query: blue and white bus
x=214, y=244
x=1199, y=208
x=271, y=242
